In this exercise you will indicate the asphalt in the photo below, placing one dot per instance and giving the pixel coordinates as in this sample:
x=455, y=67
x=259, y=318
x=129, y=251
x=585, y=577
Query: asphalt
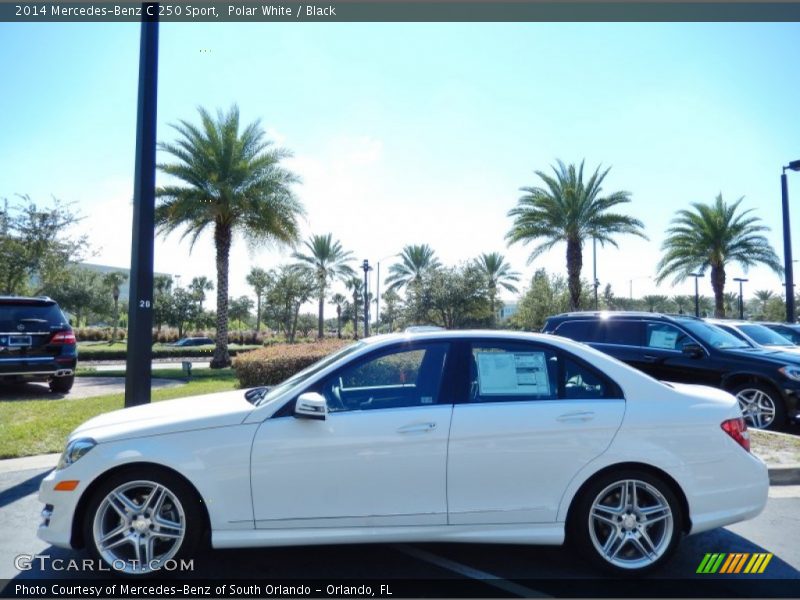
x=84, y=387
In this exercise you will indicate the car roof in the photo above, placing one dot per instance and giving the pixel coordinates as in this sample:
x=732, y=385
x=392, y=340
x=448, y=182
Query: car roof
x=605, y=314
x=40, y=300
x=457, y=334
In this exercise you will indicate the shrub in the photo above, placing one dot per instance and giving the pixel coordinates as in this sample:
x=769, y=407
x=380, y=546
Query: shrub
x=274, y=363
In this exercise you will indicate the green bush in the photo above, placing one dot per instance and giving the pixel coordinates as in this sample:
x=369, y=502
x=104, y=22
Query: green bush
x=275, y=363
x=101, y=353
x=98, y=334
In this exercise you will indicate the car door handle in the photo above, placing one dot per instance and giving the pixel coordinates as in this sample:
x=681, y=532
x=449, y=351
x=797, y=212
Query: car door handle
x=576, y=416
x=417, y=428
x=649, y=358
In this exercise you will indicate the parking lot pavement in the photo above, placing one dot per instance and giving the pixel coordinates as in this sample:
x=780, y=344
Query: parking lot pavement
x=84, y=387
x=501, y=569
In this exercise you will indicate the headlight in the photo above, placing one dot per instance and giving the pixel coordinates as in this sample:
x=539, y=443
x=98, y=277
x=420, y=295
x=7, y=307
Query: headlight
x=791, y=371
x=74, y=450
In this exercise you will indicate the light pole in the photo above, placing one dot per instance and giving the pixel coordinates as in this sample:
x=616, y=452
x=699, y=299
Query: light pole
x=367, y=269
x=696, y=293
x=741, y=299
x=787, y=241
x=630, y=284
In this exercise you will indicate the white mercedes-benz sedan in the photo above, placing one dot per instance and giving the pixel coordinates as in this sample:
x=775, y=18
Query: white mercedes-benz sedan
x=437, y=436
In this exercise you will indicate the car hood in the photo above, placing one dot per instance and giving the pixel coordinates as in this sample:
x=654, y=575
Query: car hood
x=187, y=414
x=771, y=354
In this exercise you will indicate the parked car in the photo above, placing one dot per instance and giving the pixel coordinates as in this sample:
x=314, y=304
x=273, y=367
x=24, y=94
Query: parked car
x=444, y=436
x=686, y=349
x=36, y=343
x=790, y=331
x=193, y=341
x=756, y=334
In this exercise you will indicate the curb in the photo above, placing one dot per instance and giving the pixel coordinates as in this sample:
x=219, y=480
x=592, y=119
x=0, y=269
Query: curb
x=784, y=475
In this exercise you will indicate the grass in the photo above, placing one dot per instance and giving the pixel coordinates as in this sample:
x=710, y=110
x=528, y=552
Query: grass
x=775, y=449
x=29, y=427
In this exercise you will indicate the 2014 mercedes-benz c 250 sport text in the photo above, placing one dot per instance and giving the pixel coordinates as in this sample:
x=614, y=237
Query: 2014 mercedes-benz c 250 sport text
x=460, y=436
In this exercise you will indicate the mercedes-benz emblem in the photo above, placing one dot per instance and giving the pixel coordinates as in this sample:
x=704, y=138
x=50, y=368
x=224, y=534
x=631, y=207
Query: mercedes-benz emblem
x=20, y=327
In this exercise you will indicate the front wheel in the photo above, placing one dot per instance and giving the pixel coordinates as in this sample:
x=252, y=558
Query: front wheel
x=139, y=519
x=627, y=522
x=762, y=406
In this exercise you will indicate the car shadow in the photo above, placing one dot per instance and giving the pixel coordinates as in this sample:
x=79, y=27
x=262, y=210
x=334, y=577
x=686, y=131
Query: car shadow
x=13, y=392
x=22, y=489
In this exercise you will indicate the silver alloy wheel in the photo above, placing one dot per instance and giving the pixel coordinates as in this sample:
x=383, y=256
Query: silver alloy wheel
x=138, y=526
x=758, y=407
x=631, y=524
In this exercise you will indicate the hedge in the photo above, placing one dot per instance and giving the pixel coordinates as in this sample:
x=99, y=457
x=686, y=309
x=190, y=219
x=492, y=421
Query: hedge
x=273, y=364
x=100, y=353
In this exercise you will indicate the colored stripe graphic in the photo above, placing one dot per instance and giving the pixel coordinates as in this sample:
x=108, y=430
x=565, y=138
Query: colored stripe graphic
x=711, y=563
x=725, y=563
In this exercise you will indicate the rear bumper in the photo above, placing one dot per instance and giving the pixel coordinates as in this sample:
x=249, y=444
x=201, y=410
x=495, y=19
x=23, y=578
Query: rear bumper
x=36, y=368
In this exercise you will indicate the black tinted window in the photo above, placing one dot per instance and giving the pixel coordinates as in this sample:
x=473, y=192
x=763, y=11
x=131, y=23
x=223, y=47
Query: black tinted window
x=580, y=331
x=30, y=317
x=627, y=333
x=582, y=382
x=664, y=336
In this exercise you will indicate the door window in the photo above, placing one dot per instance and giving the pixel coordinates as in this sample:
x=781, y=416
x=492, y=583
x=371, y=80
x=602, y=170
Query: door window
x=623, y=333
x=399, y=378
x=508, y=372
x=663, y=336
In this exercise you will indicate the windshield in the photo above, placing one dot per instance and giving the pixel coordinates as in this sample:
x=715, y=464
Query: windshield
x=714, y=336
x=764, y=335
x=309, y=372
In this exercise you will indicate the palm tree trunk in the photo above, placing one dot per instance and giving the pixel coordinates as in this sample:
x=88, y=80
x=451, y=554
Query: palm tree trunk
x=338, y=321
x=116, y=320
x=491, y=304
x=258, y=313
x=321, y=321
x=718, y=285
x=355, y=317
x=574, y=265
x=222, y=241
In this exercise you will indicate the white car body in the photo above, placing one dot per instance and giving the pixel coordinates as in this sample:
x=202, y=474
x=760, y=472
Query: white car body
x=495, y=472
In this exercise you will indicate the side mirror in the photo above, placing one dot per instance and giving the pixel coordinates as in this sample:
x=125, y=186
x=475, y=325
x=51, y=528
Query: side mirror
x=311, y=405
x=693, y=350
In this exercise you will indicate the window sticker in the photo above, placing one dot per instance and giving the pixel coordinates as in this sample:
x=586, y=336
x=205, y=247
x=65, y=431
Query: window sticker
x=663, y=338
x=512, y=374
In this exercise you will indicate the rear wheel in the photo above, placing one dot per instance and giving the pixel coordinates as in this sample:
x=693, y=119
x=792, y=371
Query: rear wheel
x=137, y=520
x=762, y=406
x=626, y=522
x=62, y=385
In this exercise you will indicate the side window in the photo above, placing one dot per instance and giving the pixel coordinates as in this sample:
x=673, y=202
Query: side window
x=503, y=372
x=583, y=382
x=624, y=333
x=580, y=331
x=398, y=378
x=508, y=372
x=664, y=336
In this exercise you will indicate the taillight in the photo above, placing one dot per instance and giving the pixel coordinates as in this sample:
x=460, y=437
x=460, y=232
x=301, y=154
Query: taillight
x=63, y=337
x=737, y=429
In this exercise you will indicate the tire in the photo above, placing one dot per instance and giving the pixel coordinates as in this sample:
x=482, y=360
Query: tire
x=612, y=535
x=138, y=519
x=62, y=385
x=762, y=405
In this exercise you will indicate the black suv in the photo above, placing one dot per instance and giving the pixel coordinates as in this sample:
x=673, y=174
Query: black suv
x=36, y=343
x=688, y=350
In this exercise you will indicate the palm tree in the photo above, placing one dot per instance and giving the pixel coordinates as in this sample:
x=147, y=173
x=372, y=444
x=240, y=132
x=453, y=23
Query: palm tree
x=259, y=280
x=764, y=296
x=199, y=286
x=328, y=260
x=569, y=210
x=681, y=302
x=113, y=281
x=497, y=272
x=655, y=302
x=712, y=236
x=356, y=287
x=731, y=302
x=338, y=301
x=415, y=263
x=234, y=183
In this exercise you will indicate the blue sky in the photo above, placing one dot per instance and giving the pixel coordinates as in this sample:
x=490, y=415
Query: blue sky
x=412, y=133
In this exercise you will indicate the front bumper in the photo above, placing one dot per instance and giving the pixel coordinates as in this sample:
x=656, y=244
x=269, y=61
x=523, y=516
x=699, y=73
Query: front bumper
x=57, y=516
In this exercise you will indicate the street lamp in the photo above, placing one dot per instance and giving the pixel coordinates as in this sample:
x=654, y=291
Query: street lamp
x=696, y=293
x=741, y=300
x=594, y=269
x=367, y=269
x=630, y=284
x=787, y=241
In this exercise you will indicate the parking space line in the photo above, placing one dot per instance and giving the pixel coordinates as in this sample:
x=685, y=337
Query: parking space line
x=467, y=571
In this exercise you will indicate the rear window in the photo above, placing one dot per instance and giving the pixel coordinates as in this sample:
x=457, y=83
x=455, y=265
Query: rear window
x=765, y=336
x=30, y=317
x=580, y=331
